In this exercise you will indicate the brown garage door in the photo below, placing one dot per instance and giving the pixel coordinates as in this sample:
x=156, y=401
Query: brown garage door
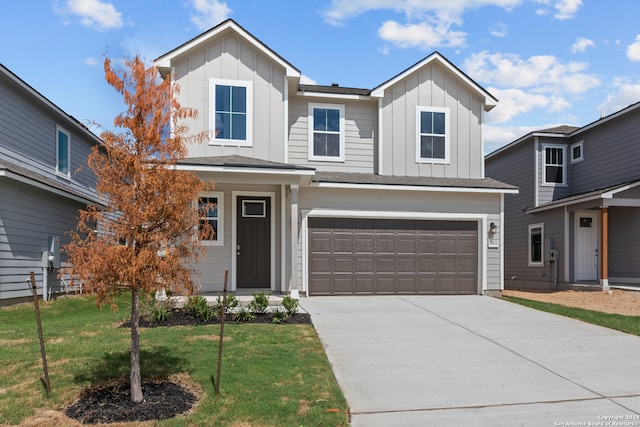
x=382, y=256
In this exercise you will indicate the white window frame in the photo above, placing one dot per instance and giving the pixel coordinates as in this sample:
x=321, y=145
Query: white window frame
x=530, y=262
x=447, y=135
x=220, y=232
x=545, y=164
x=577, y=159
x=311, y=155
x=248, y=142
x=67, y=174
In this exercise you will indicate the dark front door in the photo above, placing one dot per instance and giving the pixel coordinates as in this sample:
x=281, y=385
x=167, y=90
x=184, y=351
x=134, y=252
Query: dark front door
x=253, y=248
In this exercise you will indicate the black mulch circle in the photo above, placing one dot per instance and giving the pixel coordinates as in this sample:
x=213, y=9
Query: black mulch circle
x=113, y=404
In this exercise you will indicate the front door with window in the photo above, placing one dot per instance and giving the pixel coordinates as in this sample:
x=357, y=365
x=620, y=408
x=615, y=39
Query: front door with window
x=586, y=246
x=253, y=245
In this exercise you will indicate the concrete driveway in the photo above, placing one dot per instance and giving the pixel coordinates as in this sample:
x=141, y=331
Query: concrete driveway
x=475, y=361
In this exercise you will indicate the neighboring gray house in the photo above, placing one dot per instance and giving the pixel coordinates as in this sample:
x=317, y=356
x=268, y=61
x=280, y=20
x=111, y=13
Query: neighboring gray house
x=575, y=219
x=41, y=147
x=328, y=190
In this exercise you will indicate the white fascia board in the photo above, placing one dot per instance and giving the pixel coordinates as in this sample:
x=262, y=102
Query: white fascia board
x=379, y=187
x=165, y=60
x=333, y=96
x=559, y=205
x=340, y=213
x=264, y=171
x=48, y=188
x=610, y=194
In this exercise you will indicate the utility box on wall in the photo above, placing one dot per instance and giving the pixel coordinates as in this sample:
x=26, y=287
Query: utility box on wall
x=51, y=257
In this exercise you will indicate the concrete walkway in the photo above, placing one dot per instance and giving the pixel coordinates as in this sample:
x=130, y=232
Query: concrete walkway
x=475, y=361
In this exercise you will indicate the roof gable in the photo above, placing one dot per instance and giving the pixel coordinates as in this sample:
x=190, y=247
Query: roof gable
x=489, y=100
x=164, y=62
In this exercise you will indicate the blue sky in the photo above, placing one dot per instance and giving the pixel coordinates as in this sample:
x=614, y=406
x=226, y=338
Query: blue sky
x=548, y=62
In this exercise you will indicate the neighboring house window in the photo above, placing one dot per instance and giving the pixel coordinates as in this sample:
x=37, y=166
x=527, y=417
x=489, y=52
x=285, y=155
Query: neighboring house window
x=326, y=132
x=211, y=208
x=554, y=165
x=577, y=153
x=63, y=152
x=231, y=112
x=536, y=238
x=432, y=145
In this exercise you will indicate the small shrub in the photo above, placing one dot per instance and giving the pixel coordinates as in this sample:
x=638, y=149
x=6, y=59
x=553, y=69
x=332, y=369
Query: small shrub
x=279, y=315
x=259, y=303
x=290, y=304
x=154, y=311
x=230, y=304
x=243, y=315
x=197, y=306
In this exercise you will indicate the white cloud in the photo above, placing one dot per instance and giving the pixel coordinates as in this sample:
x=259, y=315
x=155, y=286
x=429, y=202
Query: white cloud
x=626, y=94
x=94, y=14
x=306, y=80
x=581, y=44
x=566, y=9
x=91, y=62
x=540, y=74
x=514, y=102
x=633, y=50
x=498, y=136
x=499, y=30
x=421, y=35
x=209, y=13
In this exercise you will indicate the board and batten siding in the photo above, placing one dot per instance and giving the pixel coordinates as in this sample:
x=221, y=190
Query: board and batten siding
x=231, y=58
x=439, y=205
x=360, y=130
x=28, y=216
x=432, y=86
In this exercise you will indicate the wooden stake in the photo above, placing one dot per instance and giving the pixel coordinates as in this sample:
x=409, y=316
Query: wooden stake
x=222, y=314
x=44, y=356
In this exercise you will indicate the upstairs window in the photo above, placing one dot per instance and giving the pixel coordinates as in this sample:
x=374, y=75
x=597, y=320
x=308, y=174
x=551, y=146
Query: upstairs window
x=326, y=132
x=231, y=113
x=432, y=145
x=63, y=152
x=554, y=165
x=577, y=154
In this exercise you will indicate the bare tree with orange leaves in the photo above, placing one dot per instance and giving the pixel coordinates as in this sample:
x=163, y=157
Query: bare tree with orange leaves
x=144, y=239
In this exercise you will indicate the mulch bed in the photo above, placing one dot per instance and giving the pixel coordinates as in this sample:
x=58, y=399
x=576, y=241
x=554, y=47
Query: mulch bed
x=113, y=404
x=162, y=400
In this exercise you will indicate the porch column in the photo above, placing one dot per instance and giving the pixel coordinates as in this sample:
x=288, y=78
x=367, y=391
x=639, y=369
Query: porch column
x=604, y=248
x=295, y=289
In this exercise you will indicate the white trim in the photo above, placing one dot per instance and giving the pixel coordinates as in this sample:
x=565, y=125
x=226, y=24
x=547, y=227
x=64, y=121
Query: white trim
x=481, y=220
x=482, y=127
x=234, y=235
x=536, y=172
x=578, y=159
x=341, y=133
x=414, y=188
x=248, y=85
x=543, y=154
x=283, y=239
x=252, y=170
x=567, y=243
x=380, y=137
x=447, y=135
x=333, y=96
x=502, y=225
x=59, y=130
x=285, y=118
x=541, y=262
x=220, y=238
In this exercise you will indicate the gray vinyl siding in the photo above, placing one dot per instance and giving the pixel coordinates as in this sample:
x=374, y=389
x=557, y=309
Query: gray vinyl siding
x=360, y=129
x=441, y=204
x=624, y=246
x=233, y=59
x=431, y=86
x=611, y=154
x=28, y=216
x=550, y=192
x=28, y=131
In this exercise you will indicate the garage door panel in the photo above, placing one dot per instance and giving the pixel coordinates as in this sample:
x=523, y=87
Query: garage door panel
x=367, y=256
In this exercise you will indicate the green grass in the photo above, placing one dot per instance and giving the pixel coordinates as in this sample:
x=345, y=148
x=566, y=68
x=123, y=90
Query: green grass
x=272, y=375
x=628, y=324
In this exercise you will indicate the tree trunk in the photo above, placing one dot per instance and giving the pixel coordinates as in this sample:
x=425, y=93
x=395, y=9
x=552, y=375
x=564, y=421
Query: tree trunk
x=136, y=382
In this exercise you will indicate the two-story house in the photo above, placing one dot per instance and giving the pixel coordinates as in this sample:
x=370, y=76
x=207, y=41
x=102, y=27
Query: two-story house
x=41, y=149
x=575, y=220
x=329, y=190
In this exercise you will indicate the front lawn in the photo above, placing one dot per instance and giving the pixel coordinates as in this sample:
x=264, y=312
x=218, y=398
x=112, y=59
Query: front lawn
x=628, y=324
x=272, y=375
